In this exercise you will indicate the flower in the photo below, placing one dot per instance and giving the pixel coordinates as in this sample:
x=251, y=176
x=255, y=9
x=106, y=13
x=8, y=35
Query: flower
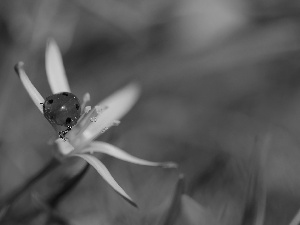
x=92, y=123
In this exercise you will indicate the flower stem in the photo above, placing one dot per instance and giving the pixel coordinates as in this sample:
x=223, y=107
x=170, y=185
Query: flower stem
x=48, y=205
x=67, y=187
x=15, y=195
x=173, y=211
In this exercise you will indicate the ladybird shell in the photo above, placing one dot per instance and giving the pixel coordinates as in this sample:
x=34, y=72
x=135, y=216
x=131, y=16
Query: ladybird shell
x=62, y=109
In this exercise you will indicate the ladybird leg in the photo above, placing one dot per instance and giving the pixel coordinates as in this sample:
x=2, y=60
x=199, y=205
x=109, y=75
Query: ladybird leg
x=62, y=134
x=69, y=128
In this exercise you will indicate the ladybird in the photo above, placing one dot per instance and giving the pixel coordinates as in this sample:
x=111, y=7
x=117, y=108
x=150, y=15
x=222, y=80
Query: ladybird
x=62, y=109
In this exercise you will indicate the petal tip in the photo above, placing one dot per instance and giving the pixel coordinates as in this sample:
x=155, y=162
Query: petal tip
x=50, y=42
x=87, y=97
x=134, y=204
x=130, y=201
x=51, y=45
x=19, y=66
x=170, y=165
x=136, y=87
x=55, y=70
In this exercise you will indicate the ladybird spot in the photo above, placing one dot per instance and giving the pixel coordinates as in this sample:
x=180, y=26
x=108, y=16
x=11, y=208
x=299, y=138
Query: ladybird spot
x=50, y=101
x=66, y=94
x=68, y=120
x=77, y=106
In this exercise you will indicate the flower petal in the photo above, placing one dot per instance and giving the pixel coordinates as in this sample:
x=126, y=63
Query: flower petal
x=117, y=105
x=32, y=91
x=86, y=99
x=98, y=146
x=55, y=69
x=103, y=171
x=64, y=147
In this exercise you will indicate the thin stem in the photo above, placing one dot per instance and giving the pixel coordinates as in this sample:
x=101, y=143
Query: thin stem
x=50, y=204
x=15, y=195
x=175, y=205
x=67, y=187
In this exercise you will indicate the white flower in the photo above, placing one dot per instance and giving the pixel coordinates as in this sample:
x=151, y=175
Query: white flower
x=92, y=123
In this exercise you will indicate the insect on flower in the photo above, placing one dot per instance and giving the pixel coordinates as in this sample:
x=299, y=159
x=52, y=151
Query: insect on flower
x=62, y=109
x=83, y=123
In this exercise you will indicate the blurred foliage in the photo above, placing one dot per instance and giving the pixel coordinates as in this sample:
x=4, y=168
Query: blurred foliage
x=220, y=96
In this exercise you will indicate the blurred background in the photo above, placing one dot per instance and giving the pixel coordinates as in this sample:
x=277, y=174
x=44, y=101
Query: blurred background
x=220, y=96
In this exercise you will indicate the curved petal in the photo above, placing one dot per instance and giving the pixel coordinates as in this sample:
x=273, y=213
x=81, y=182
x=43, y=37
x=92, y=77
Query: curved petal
x=32, y=91
x=55, y=69
x=103, y=171
x=98, y=146
x=117, y=105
